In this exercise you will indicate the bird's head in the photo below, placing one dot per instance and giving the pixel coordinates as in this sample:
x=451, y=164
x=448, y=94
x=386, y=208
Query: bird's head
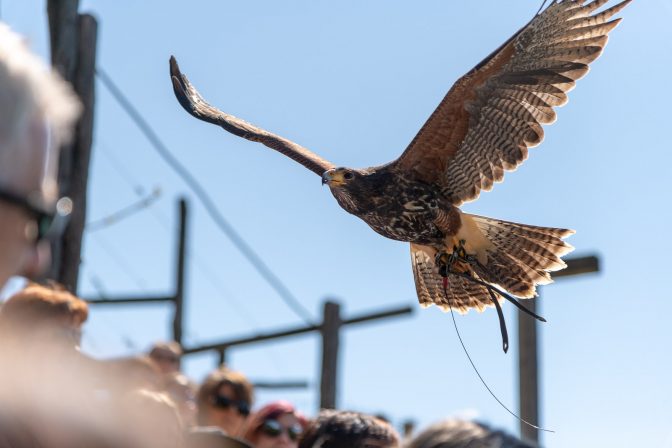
x=350, y=187
x=338, y=177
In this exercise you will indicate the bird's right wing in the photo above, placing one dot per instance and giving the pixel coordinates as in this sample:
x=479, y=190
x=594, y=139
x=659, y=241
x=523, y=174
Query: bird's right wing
x=193, y=102
x=492, y=115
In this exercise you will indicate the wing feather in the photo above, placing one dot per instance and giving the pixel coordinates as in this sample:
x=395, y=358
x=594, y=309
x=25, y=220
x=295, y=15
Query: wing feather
x=493, y=114
x=194, y=103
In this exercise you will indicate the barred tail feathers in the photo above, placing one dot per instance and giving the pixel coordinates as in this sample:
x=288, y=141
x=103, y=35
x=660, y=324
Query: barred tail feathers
x=521, y=256
x=461, y=294
x=516, y=258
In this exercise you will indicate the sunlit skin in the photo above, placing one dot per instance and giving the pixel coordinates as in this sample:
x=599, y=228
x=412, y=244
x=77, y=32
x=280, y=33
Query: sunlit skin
x=283, y=440
x=31, y=176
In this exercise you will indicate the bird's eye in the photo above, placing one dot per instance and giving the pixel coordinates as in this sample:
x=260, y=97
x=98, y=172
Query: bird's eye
x=348, y=175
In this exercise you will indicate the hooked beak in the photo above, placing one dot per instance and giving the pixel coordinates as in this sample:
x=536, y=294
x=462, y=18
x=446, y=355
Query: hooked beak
x=326, y=177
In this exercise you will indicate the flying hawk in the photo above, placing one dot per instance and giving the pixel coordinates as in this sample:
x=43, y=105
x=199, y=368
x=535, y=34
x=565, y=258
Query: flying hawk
x=483, y=127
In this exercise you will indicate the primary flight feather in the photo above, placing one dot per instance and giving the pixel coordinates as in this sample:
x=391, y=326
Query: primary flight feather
x=483, y=127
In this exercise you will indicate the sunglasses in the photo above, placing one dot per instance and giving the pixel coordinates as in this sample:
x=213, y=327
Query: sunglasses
x=273, y=428
x=50, y=222
x=223, y=402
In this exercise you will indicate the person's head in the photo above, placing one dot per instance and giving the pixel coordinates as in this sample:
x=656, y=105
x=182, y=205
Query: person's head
x=224, y=400
x=455, y=433
x=167, y=356
x=345, y=429
x=276, y=425
x=37, y=113
x=42, y=318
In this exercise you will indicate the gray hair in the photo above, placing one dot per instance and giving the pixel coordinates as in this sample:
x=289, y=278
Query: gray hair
x=29, y=89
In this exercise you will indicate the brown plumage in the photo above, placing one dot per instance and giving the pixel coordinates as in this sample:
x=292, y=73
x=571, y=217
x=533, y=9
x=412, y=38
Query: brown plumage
x=483, y=127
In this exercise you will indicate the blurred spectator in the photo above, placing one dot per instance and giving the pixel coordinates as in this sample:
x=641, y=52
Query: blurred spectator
x=150, y=420
x=37, y=113
x=212, y=437
x=131, y=373
x=464, y=434
x=183, y=392
x=45, y=381
x=167, y=356
x=345, y=429
x=40, y=330
x=276, y=425
x=224, y=400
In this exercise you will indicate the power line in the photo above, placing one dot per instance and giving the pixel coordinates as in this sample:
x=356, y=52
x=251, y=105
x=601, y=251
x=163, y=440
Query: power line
x=119, y=167
x=124, y=213
x=200, y=262
x=120, y=261
x=206, y=270
x=205, y=199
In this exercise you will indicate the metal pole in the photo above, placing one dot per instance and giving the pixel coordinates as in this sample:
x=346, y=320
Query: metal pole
x=180, y=275
x=331, y=325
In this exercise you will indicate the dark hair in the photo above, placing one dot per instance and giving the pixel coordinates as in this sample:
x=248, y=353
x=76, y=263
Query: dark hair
x=455, y=433
x=345, y=429
x=241, y=386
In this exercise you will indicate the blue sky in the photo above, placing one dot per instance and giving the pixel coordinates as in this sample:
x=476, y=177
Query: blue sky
x=354, y=81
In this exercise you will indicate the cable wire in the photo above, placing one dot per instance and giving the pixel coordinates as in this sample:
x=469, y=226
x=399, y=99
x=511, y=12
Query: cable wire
x=206, y=270
x=120, y=261
x=124, y=213
x=205, y=199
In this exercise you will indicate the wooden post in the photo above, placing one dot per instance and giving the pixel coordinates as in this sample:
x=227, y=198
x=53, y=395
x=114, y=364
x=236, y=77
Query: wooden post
x=331, y=325
x=63, y=33
x=528, y=387
x=180, y=274
x=528, y=363
x=329, y=329
x=73, y=48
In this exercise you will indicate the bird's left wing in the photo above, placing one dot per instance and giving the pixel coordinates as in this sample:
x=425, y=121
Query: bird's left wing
x=194, y=103
x=493, y=114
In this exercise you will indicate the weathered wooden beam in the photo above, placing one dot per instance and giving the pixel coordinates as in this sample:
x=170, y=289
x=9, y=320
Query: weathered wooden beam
x=73, y=40
x=528, y=362
x=331, y=327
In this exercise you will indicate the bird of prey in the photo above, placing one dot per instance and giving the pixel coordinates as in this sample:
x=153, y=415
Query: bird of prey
x=483, y=127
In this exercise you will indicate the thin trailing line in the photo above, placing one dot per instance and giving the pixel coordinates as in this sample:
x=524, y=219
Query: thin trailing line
x=466, y=352
x=542, y=7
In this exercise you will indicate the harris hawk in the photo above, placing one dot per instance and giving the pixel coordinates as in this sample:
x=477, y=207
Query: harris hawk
x=483, y=127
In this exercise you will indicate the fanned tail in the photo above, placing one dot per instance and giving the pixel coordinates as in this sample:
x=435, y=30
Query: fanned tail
x=521, y=256
x=511, y=256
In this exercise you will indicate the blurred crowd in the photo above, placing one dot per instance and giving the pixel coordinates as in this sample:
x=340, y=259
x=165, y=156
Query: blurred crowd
x=54, y=396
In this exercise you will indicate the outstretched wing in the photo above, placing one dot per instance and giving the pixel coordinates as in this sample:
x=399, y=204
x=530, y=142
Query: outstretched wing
x=194, y=103
x=493, y=114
